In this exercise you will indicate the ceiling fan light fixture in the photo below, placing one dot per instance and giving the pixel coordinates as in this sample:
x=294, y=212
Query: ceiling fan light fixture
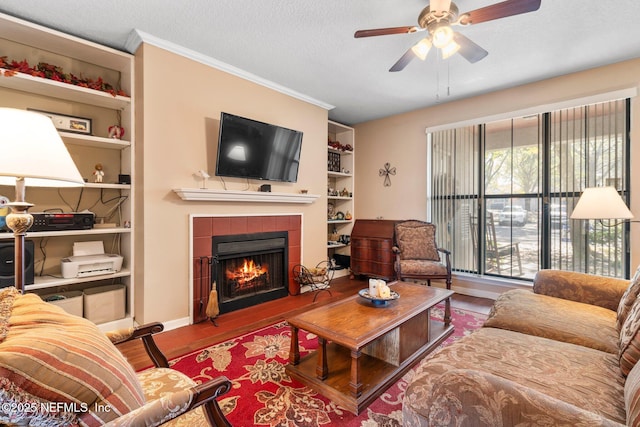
x=438, y=17
x=450, y=49
x=442, y=36
x=421, y=49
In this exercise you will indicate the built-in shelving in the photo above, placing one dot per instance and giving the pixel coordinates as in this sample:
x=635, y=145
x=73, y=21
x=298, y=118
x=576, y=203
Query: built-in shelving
x=32, y=42
x=94, y=141
x=340, y=205
x=336, y=245
x=46, y=282
x=66, y=91
x=93, y=231
x=107, y=185
x=335, y=129
x=339, y=174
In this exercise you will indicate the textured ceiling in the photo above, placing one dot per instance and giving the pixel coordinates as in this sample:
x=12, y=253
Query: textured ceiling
x=308, y=46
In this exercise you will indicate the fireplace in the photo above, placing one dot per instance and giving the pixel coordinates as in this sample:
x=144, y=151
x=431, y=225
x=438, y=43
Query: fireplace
x=249, y=268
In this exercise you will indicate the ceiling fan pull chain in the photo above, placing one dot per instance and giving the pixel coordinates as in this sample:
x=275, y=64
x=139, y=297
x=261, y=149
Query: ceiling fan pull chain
x=438, y=78
x=448, y=78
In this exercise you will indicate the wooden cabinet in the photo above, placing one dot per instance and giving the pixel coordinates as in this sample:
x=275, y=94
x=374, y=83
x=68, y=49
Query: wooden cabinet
x=111, y=201
x=372, y=248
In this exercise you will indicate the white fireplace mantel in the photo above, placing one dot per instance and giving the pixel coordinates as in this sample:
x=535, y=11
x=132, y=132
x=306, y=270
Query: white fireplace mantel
x=209, y=195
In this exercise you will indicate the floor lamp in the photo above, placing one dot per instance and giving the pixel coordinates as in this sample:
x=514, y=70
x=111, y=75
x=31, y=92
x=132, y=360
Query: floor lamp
x=31, y=154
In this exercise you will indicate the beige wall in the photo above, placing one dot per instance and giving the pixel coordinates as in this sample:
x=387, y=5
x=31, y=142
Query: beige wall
x=178, y=110
x=401, y=139
x=178, y=106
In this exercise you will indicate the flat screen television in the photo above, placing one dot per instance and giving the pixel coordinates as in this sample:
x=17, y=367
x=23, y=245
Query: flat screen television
x=252, y=149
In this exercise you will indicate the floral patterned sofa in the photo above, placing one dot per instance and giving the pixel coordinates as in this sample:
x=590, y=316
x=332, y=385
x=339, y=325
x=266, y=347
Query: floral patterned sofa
x=564, y=354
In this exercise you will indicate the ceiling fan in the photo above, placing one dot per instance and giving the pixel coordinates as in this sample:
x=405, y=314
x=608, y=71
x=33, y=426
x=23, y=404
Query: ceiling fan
x=437, y=19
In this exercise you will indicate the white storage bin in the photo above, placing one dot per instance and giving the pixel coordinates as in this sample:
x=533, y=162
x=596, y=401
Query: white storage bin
x=71, y=301
x=104, y=303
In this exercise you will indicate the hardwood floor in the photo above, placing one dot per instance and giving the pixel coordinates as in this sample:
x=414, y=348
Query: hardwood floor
x=189, y=338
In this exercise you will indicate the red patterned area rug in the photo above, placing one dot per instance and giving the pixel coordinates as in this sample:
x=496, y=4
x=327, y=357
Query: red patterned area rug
x=264, y=395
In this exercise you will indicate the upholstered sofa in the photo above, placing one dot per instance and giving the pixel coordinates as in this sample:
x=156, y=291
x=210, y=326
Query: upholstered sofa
x=562, y=354
x=57, y=369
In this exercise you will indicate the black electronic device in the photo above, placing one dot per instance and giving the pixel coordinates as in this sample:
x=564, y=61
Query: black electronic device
x=124, y=179
x=7, y=265
x=265, y=188
x=252, y=149
x=45, y=221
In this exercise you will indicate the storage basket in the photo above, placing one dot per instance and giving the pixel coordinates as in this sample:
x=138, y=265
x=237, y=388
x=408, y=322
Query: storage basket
x=70, y=301
x=104, y=303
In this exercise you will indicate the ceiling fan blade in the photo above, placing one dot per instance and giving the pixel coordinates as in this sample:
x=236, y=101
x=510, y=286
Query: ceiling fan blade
x=403, y=61
x=439, y=6
x=468, y=49
x=385, y=31
x=500, y=10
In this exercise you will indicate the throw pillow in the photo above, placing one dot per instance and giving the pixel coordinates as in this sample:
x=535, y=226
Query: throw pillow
x=417, y=240
x=629, y=349
x=49, y=356
x=628, y=298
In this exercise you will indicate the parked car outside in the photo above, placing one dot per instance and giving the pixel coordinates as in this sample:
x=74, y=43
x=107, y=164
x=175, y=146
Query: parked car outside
x=513, y=215
x=495, y=208
x=558, y=216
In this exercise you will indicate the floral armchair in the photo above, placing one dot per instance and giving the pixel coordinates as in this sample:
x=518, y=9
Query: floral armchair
x=196, y=403
x=58, y=369
x=418, y=257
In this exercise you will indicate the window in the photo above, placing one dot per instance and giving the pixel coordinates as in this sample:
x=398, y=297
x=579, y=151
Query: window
x=502, y=192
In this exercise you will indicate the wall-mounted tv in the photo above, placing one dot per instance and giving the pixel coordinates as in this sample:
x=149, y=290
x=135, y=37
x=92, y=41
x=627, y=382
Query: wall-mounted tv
x=252, y=149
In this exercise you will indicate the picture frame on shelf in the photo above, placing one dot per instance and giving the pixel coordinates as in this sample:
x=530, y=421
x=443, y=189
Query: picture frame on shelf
x=333, y=163
x=65, y=123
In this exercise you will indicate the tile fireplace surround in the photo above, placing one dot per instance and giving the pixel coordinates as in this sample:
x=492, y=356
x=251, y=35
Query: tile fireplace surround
x=205, y=227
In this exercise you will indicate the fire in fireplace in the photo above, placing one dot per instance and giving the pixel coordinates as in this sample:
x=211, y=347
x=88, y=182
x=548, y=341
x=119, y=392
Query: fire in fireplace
x=245, y=276
x=249, y=275
x=249, y=269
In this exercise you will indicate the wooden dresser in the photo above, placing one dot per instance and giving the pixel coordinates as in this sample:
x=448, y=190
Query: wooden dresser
x=371, y=248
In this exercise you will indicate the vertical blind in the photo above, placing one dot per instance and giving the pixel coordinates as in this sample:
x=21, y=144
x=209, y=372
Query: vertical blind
x=577, y=148
x=454, y=177
x=589, y=148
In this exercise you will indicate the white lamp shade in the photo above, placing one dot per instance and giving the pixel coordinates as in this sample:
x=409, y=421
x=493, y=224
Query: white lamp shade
x=31, y=148
x=450, y=49
x=442, y=36
x=601, y=203
x=421, y=49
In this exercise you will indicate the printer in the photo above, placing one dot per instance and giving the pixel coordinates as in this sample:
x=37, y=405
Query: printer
x=89, y=259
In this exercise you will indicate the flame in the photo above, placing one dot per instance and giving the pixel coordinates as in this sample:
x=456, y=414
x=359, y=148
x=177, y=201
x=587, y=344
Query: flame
x=248, y=266
x=248, y=271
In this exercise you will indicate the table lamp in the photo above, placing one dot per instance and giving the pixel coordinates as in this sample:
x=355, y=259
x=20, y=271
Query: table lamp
x=31, y=154
x=601, y=203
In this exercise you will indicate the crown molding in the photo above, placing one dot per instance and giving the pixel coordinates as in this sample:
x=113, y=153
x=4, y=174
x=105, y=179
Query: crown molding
x=137, y=37
x=597, y=98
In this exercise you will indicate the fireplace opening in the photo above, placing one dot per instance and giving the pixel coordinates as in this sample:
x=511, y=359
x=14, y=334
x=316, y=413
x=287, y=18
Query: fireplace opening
x=249, y=269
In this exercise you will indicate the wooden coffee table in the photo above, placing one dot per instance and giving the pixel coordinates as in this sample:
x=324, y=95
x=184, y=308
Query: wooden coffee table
x=364, y=348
